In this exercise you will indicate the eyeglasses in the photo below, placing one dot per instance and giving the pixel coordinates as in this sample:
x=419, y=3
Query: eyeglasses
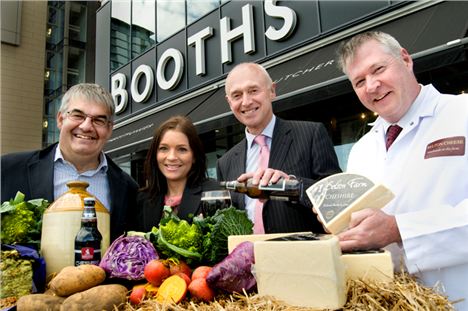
x=80, y=116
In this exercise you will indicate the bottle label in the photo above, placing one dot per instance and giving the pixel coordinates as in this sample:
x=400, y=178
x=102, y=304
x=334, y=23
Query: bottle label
x=276, y=198
x=279, y=186
x=231, y=185
x=87, y=255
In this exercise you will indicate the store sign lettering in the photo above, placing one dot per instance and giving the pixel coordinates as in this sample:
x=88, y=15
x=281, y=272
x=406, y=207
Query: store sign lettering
x=197, y=41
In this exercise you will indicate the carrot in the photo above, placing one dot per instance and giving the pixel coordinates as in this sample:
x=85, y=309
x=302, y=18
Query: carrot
x=172, y=289
x=200, y=289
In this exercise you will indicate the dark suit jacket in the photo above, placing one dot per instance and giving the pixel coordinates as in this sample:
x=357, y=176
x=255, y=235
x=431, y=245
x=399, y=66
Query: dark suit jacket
x=148, y=212
x=32, y=173
x=298, y=148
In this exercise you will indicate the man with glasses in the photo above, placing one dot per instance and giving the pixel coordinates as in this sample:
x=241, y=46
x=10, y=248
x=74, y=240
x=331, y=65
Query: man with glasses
x=85, y=121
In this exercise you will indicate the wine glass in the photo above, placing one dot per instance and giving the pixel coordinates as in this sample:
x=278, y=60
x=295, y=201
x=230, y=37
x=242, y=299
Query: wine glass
x=214, y=200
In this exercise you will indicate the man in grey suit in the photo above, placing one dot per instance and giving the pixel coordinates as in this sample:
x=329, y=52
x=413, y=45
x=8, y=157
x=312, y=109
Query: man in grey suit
x=298, y=149
x=85, y=120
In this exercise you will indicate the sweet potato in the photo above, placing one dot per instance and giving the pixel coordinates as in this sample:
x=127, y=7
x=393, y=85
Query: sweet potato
x=102, y=297
x=71, y=280
x=36, y=302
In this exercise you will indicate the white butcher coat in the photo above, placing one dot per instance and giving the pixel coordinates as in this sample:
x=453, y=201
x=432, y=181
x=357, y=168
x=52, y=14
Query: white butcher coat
x=431, y=194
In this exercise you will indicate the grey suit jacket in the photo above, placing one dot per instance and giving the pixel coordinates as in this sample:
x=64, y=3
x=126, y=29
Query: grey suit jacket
x=298, y=148
x=32, y=173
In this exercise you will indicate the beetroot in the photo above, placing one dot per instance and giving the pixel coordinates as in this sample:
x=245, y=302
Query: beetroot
x=234, y=272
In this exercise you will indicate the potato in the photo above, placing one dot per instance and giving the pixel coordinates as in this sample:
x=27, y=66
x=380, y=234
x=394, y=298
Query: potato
x=36, y=302
x=102, y=297
x=71, y=280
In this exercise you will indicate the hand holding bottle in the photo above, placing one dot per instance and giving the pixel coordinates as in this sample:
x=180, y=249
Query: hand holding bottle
x=264, y=177
x=283, y=190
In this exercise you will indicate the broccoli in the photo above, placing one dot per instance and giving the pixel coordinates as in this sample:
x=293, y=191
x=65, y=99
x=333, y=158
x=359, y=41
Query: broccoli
x=178, y=239
x=22, y=221
x=16, y=224
x=203, y=241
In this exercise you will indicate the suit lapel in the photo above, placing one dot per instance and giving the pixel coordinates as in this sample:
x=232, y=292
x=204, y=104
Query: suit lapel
x=116, y=187
x=41, y=168
x=280, y=145
x=153, y=212
x=187, y=205
x=240, y=156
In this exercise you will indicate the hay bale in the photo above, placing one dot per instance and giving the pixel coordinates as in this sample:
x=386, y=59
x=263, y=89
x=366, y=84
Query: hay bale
x=404, y=294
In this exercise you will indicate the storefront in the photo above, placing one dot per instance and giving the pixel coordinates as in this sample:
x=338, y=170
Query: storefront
x=295, y=40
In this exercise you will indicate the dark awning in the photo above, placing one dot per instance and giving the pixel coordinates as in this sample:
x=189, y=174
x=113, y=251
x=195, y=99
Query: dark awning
x=137, y=135
x=312, y=73
x=312, y=76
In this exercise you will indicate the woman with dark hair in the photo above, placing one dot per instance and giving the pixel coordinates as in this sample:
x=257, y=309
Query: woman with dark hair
x=175, y=172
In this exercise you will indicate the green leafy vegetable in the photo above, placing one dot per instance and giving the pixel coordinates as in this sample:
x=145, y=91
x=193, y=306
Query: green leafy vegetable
x=22, y=220
x=203, y=241
x=223, y=223
x=177, y=238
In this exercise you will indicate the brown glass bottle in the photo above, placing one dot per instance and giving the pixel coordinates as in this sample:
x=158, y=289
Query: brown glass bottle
x=88, y=239
x=283, y=190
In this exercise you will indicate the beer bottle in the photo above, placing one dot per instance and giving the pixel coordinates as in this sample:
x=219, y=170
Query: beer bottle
x=88, y=239
x=283, y=190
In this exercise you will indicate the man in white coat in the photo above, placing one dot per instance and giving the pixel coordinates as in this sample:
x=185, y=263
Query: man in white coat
x=426, y=225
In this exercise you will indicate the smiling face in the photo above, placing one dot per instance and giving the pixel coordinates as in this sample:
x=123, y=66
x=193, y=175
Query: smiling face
x=249, y=93
x=174, y=156
x=384, y=84
x=82, y=142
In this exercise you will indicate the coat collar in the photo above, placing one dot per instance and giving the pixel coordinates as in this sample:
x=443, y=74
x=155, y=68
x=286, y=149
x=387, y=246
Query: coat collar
x=281, y=143
x=187, y=206
x=41, y=167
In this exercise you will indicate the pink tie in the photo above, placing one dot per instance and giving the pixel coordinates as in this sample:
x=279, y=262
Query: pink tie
x=392, y=133
x=264, y=155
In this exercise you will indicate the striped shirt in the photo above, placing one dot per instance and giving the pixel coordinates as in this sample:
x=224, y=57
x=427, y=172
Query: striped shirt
x=64, y=172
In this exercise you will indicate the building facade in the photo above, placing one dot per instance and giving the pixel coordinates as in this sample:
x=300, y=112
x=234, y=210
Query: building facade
x=22, y=74
x=47, y=46
x=162, y=58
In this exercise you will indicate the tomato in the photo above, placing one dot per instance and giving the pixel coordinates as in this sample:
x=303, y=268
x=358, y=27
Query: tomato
x=156, y=271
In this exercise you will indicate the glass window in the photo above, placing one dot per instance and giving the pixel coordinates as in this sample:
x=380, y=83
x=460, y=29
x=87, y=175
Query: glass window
x=77, y=26
x=76, y=71
x=54, y=33
x=197, y=8
x=53, y=72
x=143, y=26
x=170, y=18
x=120, y=28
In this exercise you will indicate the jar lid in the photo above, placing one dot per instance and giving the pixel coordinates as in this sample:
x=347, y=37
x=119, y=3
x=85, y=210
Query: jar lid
x=78, y=184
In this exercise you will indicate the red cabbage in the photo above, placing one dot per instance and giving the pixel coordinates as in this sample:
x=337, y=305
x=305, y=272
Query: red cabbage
x=234, y=272
x=127, y=257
